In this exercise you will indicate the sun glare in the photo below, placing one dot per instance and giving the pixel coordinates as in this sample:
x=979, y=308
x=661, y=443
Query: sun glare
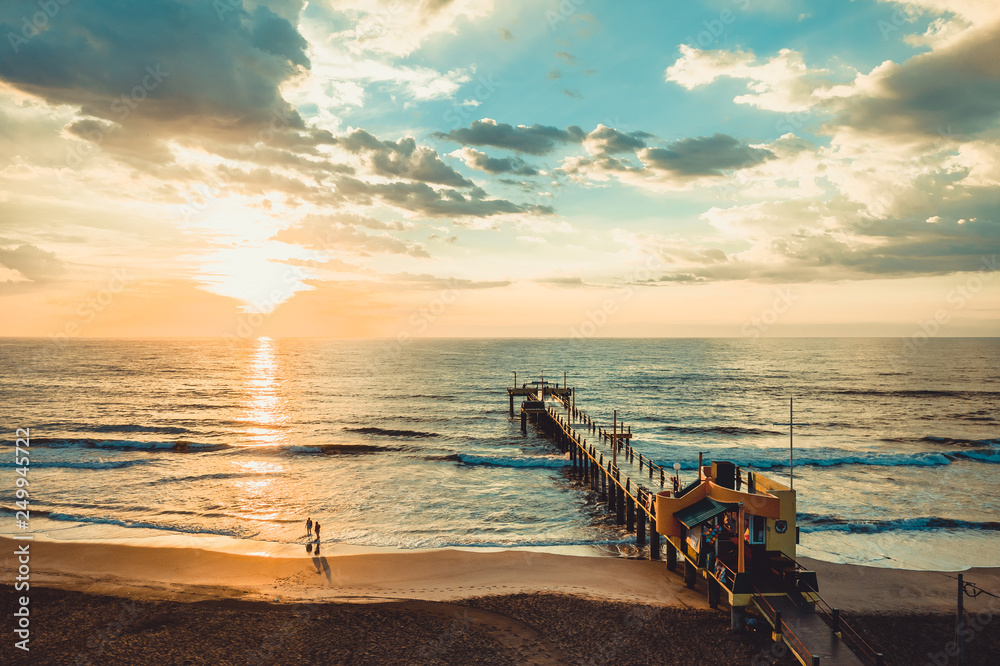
x=265, y=408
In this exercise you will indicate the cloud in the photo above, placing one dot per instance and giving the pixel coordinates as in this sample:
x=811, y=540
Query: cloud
x=568, y=58
x=402, y=159
x=809, y=241
x=703, y=156
x=561, y=281
x=951, y=90
x=341, y=233
x=32, y=262
x=609, y=141
x=534, y=140
x=172, y=60
x=425, y=281
x=478, y=160
x=400, y=28
x=783, y=83
x=422, y=199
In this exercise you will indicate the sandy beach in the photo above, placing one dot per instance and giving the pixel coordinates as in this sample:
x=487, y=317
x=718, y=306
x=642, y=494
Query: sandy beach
x=121, y=603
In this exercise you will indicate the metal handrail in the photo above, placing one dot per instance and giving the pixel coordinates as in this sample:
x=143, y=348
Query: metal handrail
x=782, y=628
x=867, y=652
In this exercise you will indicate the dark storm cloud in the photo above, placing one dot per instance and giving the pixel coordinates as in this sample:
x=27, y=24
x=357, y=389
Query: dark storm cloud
x=704, y=156
x=534, y=140
x=402, y=158
x=162, y=59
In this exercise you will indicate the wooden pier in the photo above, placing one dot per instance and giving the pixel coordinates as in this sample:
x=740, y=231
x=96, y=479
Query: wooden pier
x=764, y=575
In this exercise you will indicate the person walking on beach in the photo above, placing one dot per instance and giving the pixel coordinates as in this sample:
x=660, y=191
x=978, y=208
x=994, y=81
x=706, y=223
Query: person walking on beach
x=317, y=531
x=309, y=525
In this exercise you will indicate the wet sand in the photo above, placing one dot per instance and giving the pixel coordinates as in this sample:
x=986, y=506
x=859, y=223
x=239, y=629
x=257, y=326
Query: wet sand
x=117, y=603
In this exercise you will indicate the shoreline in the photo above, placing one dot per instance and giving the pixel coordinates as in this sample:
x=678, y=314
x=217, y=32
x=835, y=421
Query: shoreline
x=180, y=568
x=126, y=603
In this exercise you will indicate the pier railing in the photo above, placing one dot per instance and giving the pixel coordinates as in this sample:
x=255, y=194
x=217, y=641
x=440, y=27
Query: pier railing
x=848, y=634
x=782, y=628
x=631, y=504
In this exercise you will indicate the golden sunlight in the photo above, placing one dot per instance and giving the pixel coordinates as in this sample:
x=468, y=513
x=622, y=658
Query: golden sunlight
x=265, y=408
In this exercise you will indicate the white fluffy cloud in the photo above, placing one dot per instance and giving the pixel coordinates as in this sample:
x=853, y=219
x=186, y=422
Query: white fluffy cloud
x=782, y=83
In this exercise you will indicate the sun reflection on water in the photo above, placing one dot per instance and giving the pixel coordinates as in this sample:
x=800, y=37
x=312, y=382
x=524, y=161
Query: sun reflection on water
x=265, y=407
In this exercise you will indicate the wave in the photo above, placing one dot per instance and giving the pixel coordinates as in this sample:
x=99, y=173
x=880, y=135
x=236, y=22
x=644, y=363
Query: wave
x=125, y=428
x=878, y=459
x=917, y=393
x=125, y=444
x=385, y=432
x=520, y=544
x=720, y=430
x=514, y=461
x=340, y=449
x=953, y=441
x=981, y=455
x=104, y=520
x=778, y=458
x=213, y=477
x=96, y=464
x=444, y=457
x=809, y=522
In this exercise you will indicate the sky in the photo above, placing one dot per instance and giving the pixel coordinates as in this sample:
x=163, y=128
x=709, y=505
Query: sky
x=568, y=168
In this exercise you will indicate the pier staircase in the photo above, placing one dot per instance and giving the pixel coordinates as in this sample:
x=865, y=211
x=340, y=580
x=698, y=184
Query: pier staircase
x=815, y=635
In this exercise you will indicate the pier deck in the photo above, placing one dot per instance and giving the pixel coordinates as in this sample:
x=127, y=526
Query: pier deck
x=605, y=466
x=805, y=633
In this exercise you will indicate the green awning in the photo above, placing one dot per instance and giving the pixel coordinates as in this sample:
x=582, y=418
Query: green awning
x=701, y=511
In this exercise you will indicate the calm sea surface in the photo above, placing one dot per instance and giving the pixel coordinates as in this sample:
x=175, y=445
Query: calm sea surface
x=412, y=446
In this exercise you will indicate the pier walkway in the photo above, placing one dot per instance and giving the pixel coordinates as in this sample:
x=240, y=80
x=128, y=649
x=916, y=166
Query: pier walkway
x=605, y=461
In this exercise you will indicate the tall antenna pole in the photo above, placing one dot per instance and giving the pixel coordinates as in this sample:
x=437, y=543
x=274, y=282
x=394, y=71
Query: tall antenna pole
x=791, y=445
x=791, y=441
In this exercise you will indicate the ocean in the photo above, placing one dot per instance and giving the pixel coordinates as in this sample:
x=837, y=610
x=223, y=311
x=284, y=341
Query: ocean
x=409, y=444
